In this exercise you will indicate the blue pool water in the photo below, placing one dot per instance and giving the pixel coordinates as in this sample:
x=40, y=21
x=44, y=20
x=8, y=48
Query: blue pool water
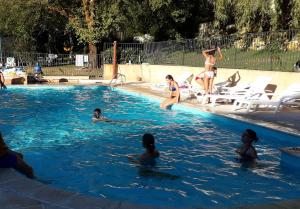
x=52, y=127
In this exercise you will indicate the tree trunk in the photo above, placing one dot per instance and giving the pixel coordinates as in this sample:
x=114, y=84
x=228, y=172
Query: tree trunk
x=92, y=56
x=88, y=8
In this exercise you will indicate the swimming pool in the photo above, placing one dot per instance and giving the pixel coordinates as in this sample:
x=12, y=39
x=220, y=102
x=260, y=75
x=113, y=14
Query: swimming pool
x=52, y=127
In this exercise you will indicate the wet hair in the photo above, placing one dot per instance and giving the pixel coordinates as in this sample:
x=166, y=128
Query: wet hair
x=148, y=142
x=212, y=52
x=252, y=135
x=97, y=110
x=169, y=77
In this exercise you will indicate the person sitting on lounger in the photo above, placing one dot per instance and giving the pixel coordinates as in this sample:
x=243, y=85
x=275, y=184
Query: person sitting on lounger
x=12, y=159
x=174, y=93
x=247, y=152
x=98, y=117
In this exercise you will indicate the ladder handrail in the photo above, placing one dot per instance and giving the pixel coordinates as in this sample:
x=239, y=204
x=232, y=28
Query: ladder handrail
x=119, y=75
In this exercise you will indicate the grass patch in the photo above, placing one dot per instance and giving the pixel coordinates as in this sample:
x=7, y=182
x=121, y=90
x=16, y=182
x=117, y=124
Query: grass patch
x=68, y=70
x=233, y=58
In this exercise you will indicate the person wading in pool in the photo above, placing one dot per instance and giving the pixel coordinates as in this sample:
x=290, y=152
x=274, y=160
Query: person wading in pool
x=151, y=153
x=2, y=81
x=98, y=117
x=210, y=62
x=174, y=93
x=11, y=159
x=147, y=161
x=247, y=152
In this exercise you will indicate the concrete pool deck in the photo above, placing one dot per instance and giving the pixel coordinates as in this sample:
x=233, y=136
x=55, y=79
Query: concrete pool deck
x=18, y=192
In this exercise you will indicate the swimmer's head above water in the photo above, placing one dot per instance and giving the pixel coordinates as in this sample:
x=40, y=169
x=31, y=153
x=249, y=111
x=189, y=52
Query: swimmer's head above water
x=97, y=113
x=149, y=142
x=249, y=136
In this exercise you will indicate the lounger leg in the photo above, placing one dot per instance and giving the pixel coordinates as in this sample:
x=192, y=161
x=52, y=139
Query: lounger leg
x=277, y=108
x=248, y=107
x=213, y=101
x=205, y=97
x=235, y=105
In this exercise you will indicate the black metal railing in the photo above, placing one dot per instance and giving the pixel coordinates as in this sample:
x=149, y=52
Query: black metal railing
x=55, y=64
x=126, y=53
x=277, y=51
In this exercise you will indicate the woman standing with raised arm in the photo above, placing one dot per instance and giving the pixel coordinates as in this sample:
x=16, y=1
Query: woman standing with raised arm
x=210, y=62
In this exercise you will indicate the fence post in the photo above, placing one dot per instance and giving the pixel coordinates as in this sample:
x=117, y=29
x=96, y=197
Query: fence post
x=235, y=49
x=271, y=61
x=183, y=51
x=115, y=64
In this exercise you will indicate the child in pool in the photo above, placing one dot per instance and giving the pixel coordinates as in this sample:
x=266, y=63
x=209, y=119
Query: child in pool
x=98, y=117
x=147, y=160
x=247, y=152
x=149, y=144
x=149, y=156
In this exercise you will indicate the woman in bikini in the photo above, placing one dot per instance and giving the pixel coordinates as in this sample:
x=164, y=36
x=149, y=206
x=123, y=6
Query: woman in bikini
x=210, y=62
x=174, y=93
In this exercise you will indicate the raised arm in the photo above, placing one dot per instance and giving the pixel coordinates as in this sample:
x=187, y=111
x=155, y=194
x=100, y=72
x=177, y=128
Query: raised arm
x=205, y=53
x=220, y=54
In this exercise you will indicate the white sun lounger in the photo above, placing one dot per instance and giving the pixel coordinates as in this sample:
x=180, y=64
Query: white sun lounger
x=291, y=96
x=255, y=90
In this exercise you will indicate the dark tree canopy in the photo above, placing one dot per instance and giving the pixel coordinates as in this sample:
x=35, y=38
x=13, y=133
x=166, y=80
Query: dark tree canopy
x=59, y=26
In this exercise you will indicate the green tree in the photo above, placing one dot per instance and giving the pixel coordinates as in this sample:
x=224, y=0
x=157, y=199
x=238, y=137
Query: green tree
x=225, y=11
x=91, y=20
x=253, y=15
x=18, y=20
x=176, y=19
x=295, y=11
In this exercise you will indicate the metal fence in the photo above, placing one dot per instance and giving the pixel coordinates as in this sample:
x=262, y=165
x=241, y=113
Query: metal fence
x=55, y=64
x=277, y=51
x=127, y=53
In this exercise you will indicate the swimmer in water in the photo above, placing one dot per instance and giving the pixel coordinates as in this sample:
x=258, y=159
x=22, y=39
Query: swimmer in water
x=12, y=159
x=147, y=161
x=247, y=151
x=98, y=117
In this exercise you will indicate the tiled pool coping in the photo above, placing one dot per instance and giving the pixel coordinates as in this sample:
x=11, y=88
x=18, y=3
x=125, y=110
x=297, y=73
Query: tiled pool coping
x=16, y=191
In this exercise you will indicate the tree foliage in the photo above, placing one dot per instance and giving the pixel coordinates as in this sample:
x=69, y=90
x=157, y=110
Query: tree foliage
x=18, y=19
x=51, y=25
x=257, y=15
